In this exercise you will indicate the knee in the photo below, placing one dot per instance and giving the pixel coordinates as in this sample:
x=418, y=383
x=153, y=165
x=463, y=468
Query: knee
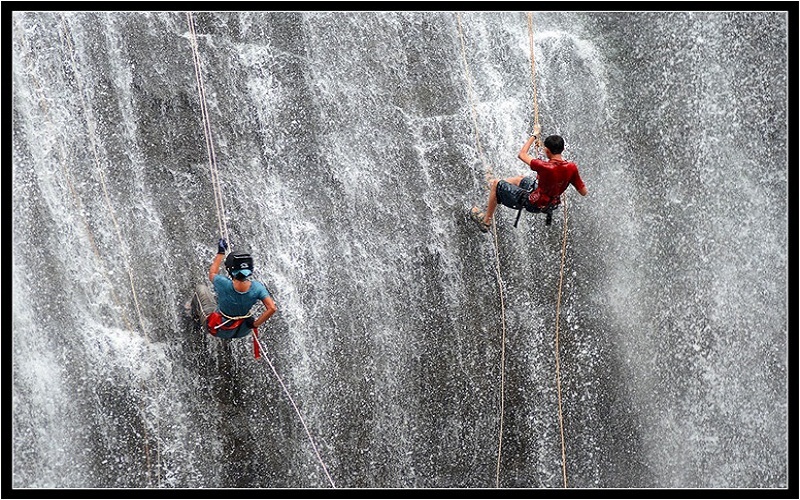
x=515, y=180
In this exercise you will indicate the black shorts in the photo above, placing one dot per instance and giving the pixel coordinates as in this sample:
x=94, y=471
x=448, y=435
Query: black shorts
x=515, y=197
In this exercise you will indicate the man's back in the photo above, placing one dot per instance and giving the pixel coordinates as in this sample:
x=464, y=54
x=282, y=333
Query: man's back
x=553, y=178
x=234, y=303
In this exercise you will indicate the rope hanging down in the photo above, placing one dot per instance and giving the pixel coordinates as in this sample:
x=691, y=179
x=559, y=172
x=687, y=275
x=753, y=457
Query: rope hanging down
x=558, y=364
x=223, y=229
x=65, y=37
x=212, y=157
x=91, y=133
x=563, y=260
x=294, y=405
x=62, y=156
x=489, y=175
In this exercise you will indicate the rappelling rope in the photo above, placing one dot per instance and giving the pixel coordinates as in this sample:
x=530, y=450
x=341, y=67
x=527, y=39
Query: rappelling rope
x=297, y=410
x=67, y=178
x=91, y=134
x=533, y=80
x=64, y=33
x=221, y=218
x=212, y=157
x=558, y=364
x=489, y=175
x=563, y=260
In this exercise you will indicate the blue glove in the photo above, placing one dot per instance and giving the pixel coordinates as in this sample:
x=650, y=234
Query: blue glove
x=249, y=322
x=222, y=246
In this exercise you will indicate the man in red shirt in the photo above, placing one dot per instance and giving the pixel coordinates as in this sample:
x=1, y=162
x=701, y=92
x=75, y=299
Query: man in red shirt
x=534, y=193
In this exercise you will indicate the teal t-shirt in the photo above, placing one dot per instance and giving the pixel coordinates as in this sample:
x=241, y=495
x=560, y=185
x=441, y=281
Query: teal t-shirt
x=233, y=303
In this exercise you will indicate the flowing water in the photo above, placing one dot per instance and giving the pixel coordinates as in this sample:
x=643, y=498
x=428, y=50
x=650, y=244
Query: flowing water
x=347, y=159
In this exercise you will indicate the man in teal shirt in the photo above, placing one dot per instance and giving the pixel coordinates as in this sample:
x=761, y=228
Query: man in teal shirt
x=231, y=317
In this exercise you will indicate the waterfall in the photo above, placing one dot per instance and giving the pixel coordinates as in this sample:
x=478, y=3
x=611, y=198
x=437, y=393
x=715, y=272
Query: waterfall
x=347, y=162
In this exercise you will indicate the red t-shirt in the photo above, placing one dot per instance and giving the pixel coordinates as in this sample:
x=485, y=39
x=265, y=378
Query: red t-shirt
x=554, y=177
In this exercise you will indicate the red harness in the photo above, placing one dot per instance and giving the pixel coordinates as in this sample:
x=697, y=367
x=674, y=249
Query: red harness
x=217, y=321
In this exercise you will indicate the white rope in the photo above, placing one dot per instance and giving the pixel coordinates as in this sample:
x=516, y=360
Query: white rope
x=91, y=134
x=221, y=210
x=558, y=363
x=212, y=158
x=297, y=410
x=563, y=261
x=490, y=175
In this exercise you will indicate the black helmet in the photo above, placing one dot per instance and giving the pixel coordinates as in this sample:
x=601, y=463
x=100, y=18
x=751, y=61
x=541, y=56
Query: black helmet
x=239, y=262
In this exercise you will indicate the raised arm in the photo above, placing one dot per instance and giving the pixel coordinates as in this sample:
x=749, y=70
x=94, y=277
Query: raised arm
x=523, y=153
x=214, y=269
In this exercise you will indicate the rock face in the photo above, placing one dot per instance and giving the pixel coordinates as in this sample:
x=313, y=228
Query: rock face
x=343, y=151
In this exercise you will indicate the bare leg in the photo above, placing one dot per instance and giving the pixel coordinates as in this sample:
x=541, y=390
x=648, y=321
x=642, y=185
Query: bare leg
x=492, y=205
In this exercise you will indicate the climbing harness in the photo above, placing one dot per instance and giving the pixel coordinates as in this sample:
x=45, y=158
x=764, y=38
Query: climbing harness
x=217, y=321
x=548, y=211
